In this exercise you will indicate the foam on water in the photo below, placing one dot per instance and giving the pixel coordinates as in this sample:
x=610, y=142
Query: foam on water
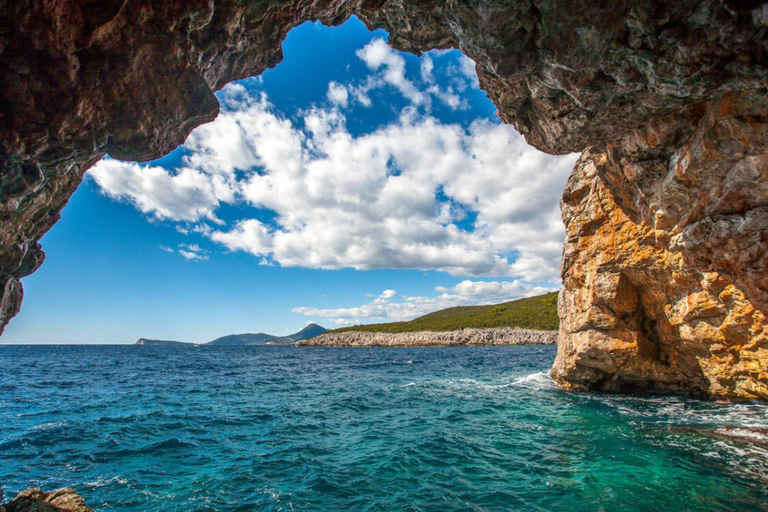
x=286, y=428
x=537, y=381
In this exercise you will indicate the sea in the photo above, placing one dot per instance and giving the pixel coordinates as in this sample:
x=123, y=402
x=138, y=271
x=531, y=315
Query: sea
x=283, y=428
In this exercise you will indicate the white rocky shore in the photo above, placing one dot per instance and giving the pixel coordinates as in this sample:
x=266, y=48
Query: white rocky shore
x=487, y=336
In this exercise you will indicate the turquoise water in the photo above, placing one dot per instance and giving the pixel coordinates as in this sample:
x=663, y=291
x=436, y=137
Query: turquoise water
x=315, y=429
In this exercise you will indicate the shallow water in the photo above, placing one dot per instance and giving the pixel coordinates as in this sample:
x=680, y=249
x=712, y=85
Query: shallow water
x=316, y=429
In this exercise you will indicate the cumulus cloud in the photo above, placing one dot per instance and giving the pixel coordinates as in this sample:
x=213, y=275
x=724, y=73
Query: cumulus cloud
x=398, y=197
x=416, y=193
x=388, y=294
x=390, y=68
x=374, y=200
x=404, y=308
x=338, y=94
x=378, y=55
x=187, y=195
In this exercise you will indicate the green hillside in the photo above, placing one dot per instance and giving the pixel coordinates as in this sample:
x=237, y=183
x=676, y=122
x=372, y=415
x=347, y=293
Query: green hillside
x=538, y=312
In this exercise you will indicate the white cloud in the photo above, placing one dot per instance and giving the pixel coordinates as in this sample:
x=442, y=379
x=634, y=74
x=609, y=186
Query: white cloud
x=465, y=293
x=412, y=194
x=370, y=201
x=448, y=97
x=190, y=255
x=188, y=195
x=467, y=68
x=338, y=94
x=427, y=66
x=188, y=251
x=388, y=294
x=377, y=54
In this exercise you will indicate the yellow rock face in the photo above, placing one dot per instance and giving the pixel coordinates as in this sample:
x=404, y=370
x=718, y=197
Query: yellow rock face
x=672, y=298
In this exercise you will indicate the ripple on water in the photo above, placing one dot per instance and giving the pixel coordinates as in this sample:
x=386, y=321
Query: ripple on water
x=280, y=428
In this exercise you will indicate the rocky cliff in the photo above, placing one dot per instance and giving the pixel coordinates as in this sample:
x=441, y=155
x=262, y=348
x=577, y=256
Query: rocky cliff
x=664, y=269
x=488, y=336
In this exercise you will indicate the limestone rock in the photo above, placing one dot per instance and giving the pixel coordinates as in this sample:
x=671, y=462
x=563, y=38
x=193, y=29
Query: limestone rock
x=468, y=336
x=35, y=500
x=642, y=310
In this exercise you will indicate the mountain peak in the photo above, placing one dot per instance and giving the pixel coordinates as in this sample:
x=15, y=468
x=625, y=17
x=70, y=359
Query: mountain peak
x=310, y=331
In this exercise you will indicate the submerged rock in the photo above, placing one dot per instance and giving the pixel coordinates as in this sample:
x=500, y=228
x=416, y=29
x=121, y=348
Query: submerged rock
x=35, y=500
x=749, y=435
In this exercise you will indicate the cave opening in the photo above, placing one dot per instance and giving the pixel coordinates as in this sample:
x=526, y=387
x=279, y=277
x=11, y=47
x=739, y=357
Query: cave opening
x=351, y=183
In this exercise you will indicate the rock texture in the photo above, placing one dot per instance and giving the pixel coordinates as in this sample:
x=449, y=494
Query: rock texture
x=488, y=336
x=665, y=285
x=664, y=270
x=35, y=500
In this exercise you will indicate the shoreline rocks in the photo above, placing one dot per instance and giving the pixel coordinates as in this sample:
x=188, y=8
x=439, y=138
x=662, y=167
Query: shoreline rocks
x=35, y=500
x=469, y=336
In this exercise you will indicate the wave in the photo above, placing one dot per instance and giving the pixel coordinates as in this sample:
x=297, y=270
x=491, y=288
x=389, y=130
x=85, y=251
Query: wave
x=754, y=435
x=537, y=381
x=101, y=482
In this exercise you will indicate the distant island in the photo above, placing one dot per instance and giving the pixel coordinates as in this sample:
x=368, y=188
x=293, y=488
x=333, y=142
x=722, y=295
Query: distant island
x=260, y=338
x=529, y=321
x=145, y=341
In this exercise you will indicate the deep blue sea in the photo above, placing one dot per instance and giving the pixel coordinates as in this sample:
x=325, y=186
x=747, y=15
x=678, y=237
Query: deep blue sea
x=335, y=429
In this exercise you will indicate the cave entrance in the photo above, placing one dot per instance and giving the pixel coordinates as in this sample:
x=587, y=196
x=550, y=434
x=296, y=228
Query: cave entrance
x=348, y=156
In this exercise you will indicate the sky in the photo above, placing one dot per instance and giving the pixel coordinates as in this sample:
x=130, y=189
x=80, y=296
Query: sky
x=350, y=184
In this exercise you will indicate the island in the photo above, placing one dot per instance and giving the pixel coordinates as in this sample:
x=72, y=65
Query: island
x=247, y=339
x=529, y=321
x=146, y=341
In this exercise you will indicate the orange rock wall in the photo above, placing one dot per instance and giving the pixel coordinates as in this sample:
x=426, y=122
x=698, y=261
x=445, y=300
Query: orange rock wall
x=669, y=291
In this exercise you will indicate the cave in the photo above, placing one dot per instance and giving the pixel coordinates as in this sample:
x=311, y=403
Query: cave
x=665, y=101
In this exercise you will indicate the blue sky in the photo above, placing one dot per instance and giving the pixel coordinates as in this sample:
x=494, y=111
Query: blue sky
x=350, y=184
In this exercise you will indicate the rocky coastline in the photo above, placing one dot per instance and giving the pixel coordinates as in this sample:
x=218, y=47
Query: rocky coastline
x=487, y=336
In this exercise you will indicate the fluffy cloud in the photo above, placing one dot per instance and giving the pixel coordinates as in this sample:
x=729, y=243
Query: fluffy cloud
x=388, y=294
x=338, y=94
x=389, y=68
x=399, y=197
x=378, y=55
x=413, y=194
x=188, y=195
x=390, y=307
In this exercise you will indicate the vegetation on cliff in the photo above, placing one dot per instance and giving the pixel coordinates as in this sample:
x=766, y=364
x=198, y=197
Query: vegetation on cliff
x=539, y=313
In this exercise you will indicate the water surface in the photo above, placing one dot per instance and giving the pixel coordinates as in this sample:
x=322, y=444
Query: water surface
x=328, y=429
